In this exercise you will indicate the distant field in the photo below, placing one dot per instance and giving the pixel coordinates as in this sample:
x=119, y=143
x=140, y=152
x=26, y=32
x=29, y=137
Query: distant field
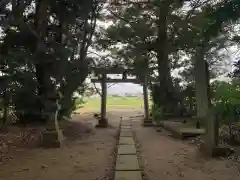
x=114, y=102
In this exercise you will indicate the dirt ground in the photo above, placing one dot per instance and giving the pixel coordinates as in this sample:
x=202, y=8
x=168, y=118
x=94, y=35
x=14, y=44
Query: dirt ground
x=91, y=157
x=86, y=158
x=166, y=158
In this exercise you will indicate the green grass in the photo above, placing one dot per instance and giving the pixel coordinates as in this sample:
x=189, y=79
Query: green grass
x=115, y=102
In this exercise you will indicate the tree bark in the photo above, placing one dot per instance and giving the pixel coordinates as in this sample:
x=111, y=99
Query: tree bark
x=5, y=107
x=165, y=80
x=103, y=120
x=208, y=83
x=145, y=98
x=42, y=65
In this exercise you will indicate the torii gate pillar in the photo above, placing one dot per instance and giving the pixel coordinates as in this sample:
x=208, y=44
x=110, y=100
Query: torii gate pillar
x=103, y=122
x=146, y=121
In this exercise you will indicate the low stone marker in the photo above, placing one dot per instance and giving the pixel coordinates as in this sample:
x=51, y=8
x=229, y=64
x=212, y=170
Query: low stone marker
x=127, y=163
x=210, y=145
x=126, y=140
x=128, y=175
x=126, y=150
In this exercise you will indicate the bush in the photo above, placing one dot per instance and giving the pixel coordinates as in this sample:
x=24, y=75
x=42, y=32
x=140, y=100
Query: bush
x=79, y=102
x=226, y=97
x=25, y=103
x=157, y=113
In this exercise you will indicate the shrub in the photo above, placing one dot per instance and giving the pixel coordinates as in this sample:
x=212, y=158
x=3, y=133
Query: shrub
x=79, y=102
x=157, y=113
x=226, y=97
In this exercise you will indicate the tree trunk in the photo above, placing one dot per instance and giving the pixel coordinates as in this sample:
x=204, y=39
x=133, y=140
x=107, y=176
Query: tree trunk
x=103, y=121
x=191, y=105
x=40, y=89
x=201, y=73
x=145, y=98
x=41, y=65
x=5, y=108
x=208, y=83
x=165, y=80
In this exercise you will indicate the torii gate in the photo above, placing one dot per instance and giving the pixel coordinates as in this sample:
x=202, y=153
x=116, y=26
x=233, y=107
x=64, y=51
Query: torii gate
x=103, y=72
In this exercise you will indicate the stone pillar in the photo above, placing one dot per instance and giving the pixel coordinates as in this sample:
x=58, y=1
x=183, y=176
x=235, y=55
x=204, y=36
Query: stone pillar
x=147, y=121
x=52, y=137
x=212, y=127
x=201, y=78
x=210, y=141
x=103, y=122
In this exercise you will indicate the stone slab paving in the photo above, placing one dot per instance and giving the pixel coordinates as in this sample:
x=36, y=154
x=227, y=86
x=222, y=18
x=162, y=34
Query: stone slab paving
x=126, y=123
x=127, y=165
x=128, y=175
x=126, y=130
x=126, y=126
x=126, y=140
x=126, y=149
x=126, y=134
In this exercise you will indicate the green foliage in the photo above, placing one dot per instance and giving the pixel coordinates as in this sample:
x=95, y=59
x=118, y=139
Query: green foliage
x=236, y=72
x=40, y=54
x=225, y=97
x=24, y=100
x=226, y=11
x=157, y=113
x=79, y=103
x=155, y=95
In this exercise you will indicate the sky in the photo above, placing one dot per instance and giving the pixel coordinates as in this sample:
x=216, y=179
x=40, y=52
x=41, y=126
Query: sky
x=123, y=88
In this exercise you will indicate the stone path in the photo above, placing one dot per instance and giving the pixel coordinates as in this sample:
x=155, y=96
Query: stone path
x=127, y=165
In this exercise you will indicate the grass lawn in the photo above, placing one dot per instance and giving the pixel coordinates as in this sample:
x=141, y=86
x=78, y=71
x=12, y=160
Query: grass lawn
x=114, y=102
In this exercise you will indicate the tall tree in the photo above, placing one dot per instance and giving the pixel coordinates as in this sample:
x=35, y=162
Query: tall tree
x=55, y=60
